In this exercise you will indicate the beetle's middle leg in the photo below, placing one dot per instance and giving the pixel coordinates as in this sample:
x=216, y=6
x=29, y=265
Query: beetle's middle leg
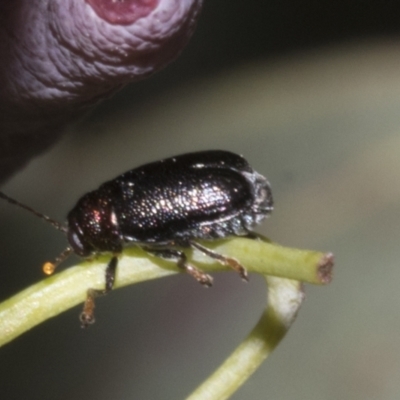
x=181, y=262
x=87, y=315
x=224, y=260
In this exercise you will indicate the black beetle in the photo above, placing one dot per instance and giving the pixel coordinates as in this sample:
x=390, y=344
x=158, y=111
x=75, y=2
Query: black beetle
x=203, y=195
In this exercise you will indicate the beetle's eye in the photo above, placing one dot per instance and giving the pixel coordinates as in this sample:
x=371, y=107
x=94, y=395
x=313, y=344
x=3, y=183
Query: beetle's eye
x=76, y=243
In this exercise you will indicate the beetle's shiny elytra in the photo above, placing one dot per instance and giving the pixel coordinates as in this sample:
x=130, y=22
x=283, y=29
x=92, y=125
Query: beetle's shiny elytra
x=168, y=203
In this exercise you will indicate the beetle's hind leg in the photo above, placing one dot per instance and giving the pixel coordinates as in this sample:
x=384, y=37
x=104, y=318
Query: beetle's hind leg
x=87, y=315
x=224, y=260
x=181, y=262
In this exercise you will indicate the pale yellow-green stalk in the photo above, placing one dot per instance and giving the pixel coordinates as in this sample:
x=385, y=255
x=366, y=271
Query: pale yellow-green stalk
x=283, y=268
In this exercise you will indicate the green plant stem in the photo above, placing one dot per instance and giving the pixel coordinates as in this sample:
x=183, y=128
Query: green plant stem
x=283, y=299
x=66, y=289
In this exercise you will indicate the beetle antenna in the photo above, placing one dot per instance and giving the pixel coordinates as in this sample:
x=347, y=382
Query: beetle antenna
x=49, y=267
x=56, y=224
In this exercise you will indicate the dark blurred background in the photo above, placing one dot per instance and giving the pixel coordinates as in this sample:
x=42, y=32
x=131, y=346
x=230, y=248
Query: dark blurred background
x=309, y=92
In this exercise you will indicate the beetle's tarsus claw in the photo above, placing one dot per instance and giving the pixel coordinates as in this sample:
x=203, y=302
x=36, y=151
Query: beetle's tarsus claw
x=86, y=319
x=206, y=280
x=244, y=275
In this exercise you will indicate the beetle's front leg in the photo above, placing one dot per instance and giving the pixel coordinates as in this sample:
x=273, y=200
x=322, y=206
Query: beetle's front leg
x=181, y=262
x=87, y=315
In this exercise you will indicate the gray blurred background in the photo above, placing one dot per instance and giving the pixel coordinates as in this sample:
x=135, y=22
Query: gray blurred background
x=309, y=93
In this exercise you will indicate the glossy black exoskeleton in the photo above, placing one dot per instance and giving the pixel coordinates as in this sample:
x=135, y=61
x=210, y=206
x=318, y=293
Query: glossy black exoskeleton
x=168, y=203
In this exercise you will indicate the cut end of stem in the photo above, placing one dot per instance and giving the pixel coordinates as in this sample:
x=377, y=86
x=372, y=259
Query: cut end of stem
x=325, y=268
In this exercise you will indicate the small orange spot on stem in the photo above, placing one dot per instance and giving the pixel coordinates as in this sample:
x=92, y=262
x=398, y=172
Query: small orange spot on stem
x=48, y=268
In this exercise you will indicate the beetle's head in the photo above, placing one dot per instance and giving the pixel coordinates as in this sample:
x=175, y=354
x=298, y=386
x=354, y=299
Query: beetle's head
x=93, y=225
